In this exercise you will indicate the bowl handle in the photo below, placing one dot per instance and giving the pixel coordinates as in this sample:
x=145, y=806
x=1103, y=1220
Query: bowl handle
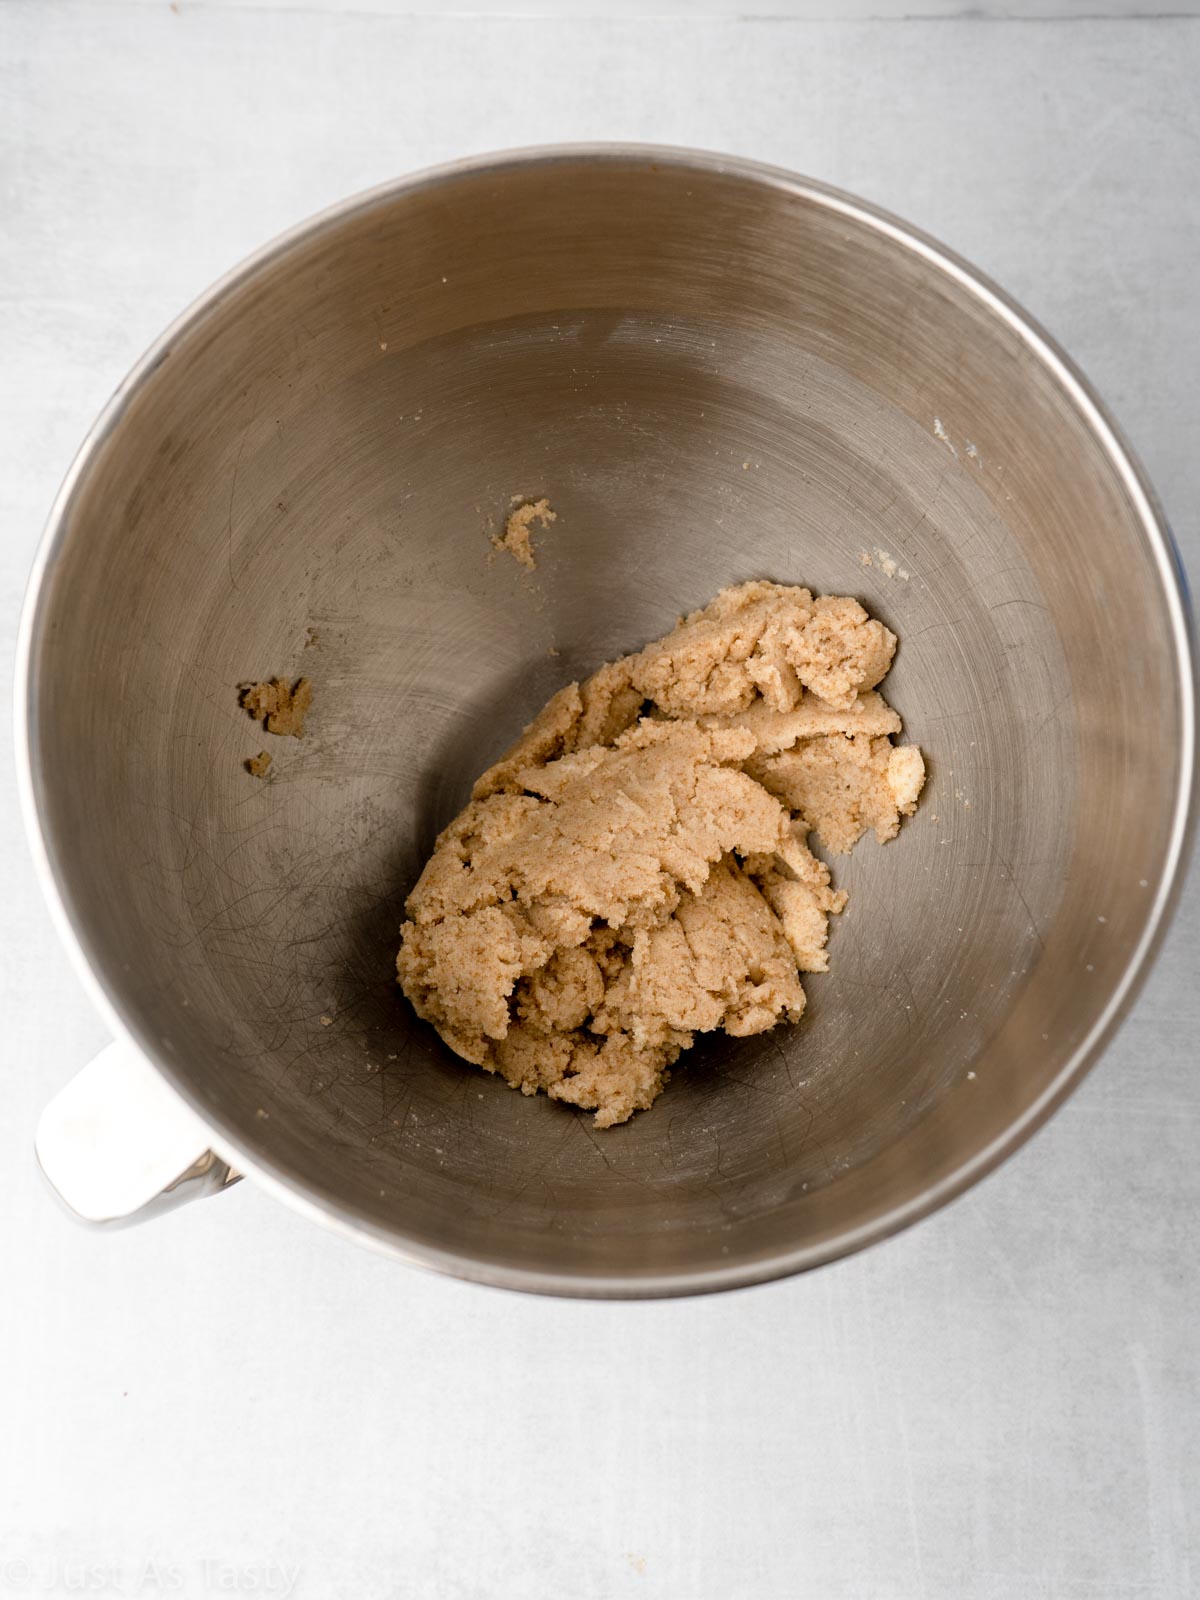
x=117, y=1144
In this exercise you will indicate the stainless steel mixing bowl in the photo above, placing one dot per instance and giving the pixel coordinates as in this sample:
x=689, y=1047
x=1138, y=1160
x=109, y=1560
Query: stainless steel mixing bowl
x=715, y=371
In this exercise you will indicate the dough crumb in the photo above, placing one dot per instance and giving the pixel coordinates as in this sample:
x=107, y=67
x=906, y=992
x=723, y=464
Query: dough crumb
x=635, y=870
x=518, y=528
x=258, y=766
x=886, y=563
x=280, y=709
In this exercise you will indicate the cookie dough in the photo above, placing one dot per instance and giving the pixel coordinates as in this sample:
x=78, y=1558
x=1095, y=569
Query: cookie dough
x=518, y=529
x=635, y=870
x=280, y=707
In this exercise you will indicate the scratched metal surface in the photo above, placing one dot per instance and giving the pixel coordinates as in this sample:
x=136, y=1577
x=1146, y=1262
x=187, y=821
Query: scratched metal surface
x=1002, y=1402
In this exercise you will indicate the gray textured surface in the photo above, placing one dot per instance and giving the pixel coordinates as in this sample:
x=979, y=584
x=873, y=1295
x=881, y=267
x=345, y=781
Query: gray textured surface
x=1003, y=1403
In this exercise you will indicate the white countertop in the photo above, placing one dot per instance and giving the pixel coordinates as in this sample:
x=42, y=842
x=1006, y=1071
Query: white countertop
x=1003, y=1403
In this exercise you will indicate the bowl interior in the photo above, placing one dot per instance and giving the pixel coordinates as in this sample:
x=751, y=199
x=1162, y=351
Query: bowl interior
x=713, y=375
